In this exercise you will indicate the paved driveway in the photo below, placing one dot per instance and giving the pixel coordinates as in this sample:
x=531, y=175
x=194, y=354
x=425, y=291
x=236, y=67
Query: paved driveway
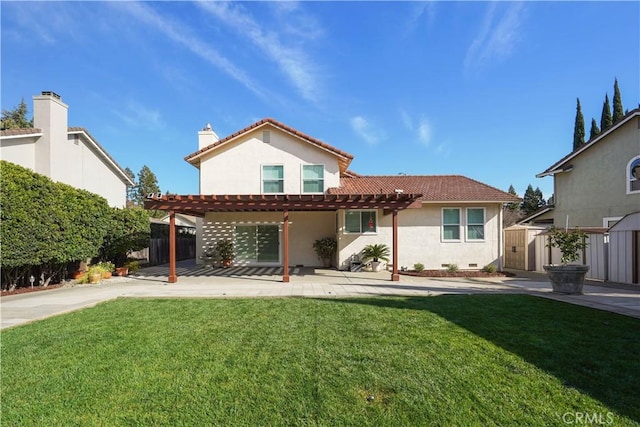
x=197, y=282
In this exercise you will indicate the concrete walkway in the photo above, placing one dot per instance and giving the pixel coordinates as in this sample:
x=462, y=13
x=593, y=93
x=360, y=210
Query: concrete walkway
x=204, y=282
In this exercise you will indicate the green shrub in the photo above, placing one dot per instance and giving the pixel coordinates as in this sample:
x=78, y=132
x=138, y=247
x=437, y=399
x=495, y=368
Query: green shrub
x=452, y=268
x=133, y=266
x=490, y=268
x=418, y=267
x=127, y=230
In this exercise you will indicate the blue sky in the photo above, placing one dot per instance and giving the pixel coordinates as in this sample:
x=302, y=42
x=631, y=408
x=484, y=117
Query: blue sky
x=483, y=89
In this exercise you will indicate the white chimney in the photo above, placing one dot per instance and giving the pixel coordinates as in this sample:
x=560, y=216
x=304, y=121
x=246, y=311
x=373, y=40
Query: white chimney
x=206, y=137
x=50, y=115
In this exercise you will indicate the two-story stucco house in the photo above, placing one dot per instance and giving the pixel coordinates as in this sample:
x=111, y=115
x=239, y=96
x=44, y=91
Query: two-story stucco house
x=599, y=183
x=64, y=154
x=274, y=190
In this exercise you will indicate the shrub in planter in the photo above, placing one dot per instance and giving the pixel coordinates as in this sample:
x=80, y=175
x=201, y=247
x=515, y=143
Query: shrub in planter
x=490, y=268
x=567, y=278
x=452, y=268
x=418, y=267
x=325, y=250
x=375, y=253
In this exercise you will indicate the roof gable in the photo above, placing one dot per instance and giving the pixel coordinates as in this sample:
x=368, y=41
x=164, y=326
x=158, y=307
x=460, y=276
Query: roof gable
x=344, y=158
x=559, y=166
x=434, y=188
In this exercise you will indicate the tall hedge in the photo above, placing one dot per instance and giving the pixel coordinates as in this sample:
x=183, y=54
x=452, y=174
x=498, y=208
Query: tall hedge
x=128, y=230
x=45, y=223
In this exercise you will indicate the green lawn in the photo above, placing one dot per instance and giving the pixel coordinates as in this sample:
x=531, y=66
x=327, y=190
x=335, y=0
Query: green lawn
x=447, y=360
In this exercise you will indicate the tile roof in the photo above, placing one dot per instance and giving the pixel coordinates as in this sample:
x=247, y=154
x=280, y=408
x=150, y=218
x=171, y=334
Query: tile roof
x=21, y=131
x=346, y=156
x=434, y=188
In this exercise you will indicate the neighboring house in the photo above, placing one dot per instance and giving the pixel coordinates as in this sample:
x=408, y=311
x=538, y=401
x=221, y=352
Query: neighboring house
x=599, y=183
x=275, y=190
x=65, y=154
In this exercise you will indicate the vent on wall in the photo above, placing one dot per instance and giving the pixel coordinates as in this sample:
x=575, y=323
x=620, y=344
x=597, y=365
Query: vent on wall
x=473, y=265
x=266, y=136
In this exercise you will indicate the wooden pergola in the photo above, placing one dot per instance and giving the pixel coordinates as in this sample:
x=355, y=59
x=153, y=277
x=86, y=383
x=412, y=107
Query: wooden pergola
x=199, y=205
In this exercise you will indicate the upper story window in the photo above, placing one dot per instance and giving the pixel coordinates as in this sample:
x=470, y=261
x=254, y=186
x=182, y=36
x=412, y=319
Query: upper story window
x=312, y=178
x=475, y=223
x=451, y=224
x=633, y=175
x=273, y=179
x=360, y=221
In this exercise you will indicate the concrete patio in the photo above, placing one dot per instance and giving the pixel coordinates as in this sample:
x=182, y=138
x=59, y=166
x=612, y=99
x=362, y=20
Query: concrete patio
x=205, y=282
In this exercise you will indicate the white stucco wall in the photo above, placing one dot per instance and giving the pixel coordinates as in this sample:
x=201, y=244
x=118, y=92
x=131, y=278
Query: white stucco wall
x=304, y=229
x=20, y=151
x=236, y=167
x=420, y=238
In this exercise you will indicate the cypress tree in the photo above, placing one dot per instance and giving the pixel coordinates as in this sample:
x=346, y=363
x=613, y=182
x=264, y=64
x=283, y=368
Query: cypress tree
x=578, y=128
x=617, y=104
x=513, y=206
x=595, y=130
x=606, y=121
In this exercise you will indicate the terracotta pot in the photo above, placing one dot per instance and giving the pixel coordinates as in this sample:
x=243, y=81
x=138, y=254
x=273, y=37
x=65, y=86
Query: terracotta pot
x=106, y=275
x=77, y=274
x=226, y=263
x=95, y=277
x=122, y=271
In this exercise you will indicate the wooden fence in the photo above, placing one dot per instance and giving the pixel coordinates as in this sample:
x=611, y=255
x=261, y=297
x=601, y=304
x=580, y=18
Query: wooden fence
x=158, y=251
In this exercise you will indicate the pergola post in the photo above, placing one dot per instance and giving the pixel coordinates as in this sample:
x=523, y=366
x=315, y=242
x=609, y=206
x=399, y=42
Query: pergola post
x=395, y=277
x=285, y=247
x=173, y=278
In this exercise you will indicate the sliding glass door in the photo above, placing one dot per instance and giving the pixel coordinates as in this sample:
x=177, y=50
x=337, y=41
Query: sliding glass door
x=258, y=243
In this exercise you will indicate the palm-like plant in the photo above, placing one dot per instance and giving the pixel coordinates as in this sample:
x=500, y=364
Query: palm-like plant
x=376, y=253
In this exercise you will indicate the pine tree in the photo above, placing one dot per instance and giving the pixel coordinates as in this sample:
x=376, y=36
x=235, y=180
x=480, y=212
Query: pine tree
x=595, y=130
x=606, y=121
x=617, y=104
x=578, y=128
x=147, y=184
x=532, y=200
x=16, y=118
x=513, y=206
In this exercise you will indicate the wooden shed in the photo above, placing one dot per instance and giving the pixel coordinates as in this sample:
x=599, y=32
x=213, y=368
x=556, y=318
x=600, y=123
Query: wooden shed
x=624, y=250
x=519, y=247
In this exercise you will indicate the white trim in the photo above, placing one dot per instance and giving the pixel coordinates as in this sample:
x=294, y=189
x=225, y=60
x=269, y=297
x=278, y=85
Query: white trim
x=26, y=135
x=606, y=219
x=466, y=225
x=628, y=174
x=302, y=178
x=442, y=224
x=262, y=178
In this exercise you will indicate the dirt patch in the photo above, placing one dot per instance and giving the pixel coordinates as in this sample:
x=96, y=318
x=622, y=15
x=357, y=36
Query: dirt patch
x=462, y=273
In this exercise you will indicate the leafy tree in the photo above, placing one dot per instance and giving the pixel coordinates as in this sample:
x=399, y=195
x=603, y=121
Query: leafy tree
x=128, y=230
x=578, y=128
x=147, y=183
x=617, y=104
x=46, y=224
x=595, y=130
x=16, y=118
x=606, y=121
x=532, y=200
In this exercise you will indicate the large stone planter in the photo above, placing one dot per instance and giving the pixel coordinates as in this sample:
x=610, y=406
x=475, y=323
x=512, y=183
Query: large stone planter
x=566, y=279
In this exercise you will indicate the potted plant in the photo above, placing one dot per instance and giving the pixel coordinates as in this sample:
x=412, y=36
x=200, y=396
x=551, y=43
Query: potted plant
x=107, y=269
x=375, y=253
x=122, y=271
x=224, y=248
x=567, y=278
x=325, y=250
x=95, y=273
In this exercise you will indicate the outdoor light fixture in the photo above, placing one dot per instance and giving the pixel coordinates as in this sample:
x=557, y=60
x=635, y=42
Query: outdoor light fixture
x=31, y=280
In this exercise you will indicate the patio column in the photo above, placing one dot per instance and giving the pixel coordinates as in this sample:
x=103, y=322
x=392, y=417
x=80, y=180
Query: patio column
x=173, y=278
x=285, y=247
x=395, y=277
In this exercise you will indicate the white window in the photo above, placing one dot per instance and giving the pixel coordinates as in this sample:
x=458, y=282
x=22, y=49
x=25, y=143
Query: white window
x=475, y=223
x=633, y=175
x=451, y=224
x=610, y=221
x=273, y=179
x=312, y=178
x=360, y=221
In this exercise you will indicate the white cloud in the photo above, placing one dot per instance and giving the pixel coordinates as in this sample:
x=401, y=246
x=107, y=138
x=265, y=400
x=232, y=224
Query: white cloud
x=180, y=34
x=498, y=35
x=137, y=115
x=291, y=60
x=421, y=9
x=364, y=130
x=424, y=132
x=406, y=120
